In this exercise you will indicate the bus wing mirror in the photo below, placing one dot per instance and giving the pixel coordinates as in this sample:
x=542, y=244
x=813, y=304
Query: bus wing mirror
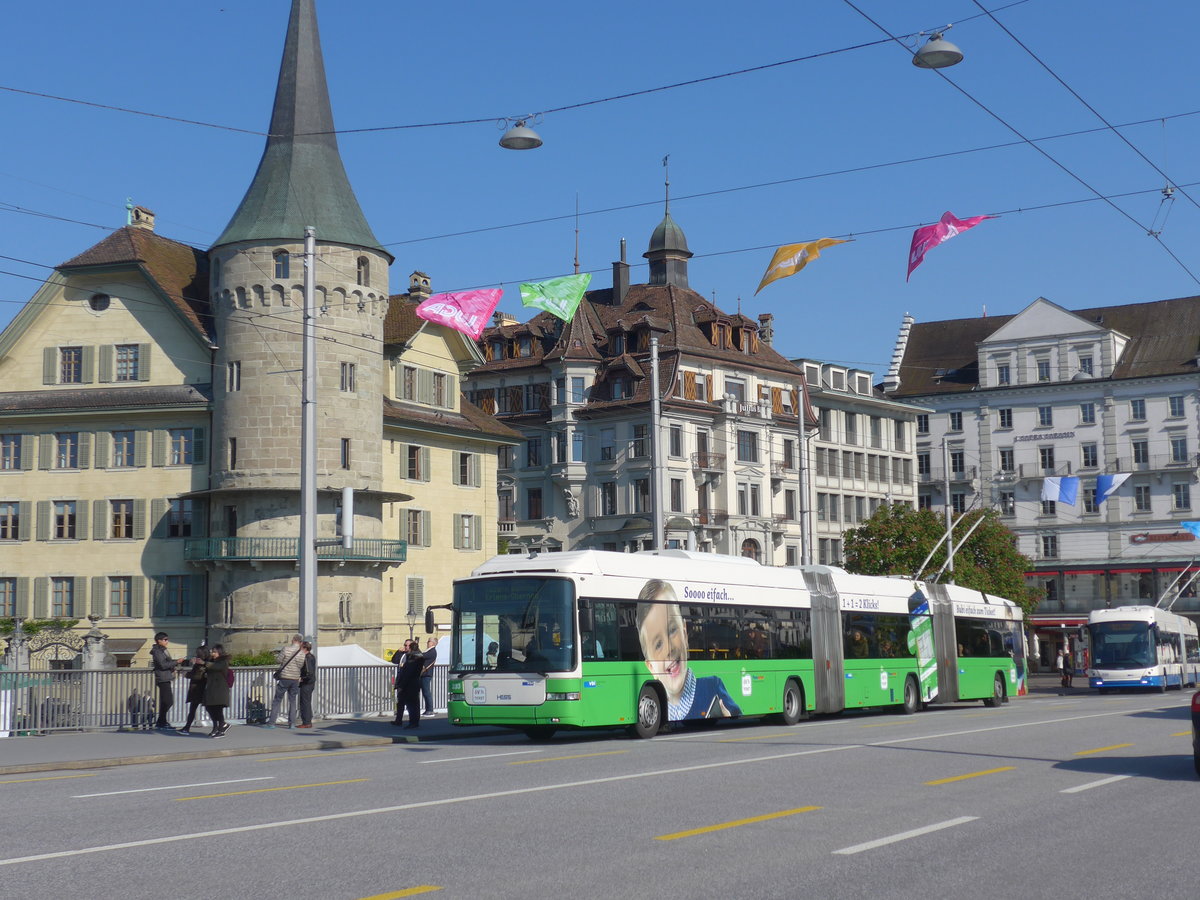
x=429, y=621
x=585, y=602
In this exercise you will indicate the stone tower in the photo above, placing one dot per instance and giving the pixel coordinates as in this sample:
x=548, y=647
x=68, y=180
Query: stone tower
x=257, y=283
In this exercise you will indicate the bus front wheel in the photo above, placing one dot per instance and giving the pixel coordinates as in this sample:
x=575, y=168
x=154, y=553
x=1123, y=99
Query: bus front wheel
x=649, y=713
x=912, y=699
x=540, y=732
x=793, y=704
x=997, y=693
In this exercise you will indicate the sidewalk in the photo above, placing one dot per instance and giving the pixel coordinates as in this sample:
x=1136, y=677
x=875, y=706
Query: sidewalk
x=99, y=749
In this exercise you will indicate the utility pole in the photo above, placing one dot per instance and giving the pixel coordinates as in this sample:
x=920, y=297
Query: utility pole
x=949, y=512
x=308, y=448
x=656, y=448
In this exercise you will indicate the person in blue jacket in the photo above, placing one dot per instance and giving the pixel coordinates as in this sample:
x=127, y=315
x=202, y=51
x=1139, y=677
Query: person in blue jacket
x=665, y=649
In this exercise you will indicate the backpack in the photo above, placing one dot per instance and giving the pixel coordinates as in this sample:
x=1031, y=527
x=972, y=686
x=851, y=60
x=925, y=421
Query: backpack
x=229, y=677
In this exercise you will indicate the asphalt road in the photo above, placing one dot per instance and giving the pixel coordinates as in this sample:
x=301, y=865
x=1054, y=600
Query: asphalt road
x=1080, y=796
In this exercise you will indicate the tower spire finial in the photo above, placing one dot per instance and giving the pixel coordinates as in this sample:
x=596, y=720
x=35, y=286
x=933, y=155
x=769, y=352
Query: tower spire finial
x=667, y=181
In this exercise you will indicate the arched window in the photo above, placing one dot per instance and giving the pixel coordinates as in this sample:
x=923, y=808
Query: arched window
x=283, y=265
x=750, y=549
x=364, y=270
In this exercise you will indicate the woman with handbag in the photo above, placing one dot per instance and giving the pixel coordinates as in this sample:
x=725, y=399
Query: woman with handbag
x=218, y=680
x=195, y=694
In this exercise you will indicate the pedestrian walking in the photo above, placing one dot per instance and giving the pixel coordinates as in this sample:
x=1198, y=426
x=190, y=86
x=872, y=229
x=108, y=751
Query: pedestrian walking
x=398, y=662
x=287, y=681
x=164, y=666
x=409, y=682
x=218, y=679
x=195, y=694
x=308, y=681
x=1061, y=661
x=427, y=675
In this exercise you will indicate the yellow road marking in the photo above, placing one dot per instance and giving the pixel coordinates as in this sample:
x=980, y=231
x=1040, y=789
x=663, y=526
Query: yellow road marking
x=972, y=775
x=1181, y=734
x=721, y=827
x=407, y=892
x=526, y=762
x=294, y=787
x=1101, y=749
x=48, y=778
x=323, y=753
x=757, y=737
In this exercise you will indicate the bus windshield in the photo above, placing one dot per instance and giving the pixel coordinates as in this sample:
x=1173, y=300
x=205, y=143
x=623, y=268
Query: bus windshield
x=514, y=625
x=1122, y=645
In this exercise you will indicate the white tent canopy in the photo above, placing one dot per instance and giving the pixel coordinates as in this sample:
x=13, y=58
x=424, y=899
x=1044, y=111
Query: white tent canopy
x=348, y=655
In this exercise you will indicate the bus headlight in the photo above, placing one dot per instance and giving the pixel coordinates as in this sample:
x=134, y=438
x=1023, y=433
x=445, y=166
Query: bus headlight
x=562, y=695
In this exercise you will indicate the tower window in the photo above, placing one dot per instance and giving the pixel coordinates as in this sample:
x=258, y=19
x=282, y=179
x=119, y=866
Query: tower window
x=364, y=270
x=283, y=264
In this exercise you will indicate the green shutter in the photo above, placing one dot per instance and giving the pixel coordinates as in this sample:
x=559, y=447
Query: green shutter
x=199, y=518
x=137, y=605
x=49, y=365
x=477, y=533
x=99, y=596
x=27, y=443
x=196, y=598
x=452, y=390
x=426, y=529
x=106, y=363
x=425, y=474
x=143, y=362
x=23, y=597
x=160, y=447
x=25, y=511
x=199, y=447
x=425, y=386
x=140, y=441
x=89, y=364
x=416, y=596
x=41, y=597
x=79, y=598
x=158, y=518
x=85, y=448
x=158, y=596
x=81, y=519
x=43, y=520
x=139, y=520
x=457, y=519
x=398, y=370
x=476, y=470
x=99, y=518
x=103, y=449
x=46, y=451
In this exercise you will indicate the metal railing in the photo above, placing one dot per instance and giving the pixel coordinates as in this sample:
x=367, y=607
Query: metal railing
x=285, y=548
x=36, y=702
x=705, y=461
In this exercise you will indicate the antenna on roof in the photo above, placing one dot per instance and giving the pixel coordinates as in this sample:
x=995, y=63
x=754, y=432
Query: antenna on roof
x=577, y=232
x=667, y=181
x=128, y=210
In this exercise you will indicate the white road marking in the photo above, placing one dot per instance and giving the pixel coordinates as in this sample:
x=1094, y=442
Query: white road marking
x=905, y=835
x=424, y=804
x=427, y=762
x=1092, y=784
x=171, y=787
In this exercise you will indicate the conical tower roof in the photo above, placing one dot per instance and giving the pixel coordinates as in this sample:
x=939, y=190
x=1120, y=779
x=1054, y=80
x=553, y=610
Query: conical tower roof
x=301, y=180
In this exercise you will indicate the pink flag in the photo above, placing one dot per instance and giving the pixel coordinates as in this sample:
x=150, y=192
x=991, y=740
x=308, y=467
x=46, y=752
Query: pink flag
x=465, y=311
x=927, y=237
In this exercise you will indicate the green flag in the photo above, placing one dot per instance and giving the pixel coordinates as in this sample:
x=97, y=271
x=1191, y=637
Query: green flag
x=558, y=296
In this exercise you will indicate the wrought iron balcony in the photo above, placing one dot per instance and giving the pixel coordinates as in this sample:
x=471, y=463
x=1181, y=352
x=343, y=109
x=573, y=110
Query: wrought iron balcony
x=264, y=549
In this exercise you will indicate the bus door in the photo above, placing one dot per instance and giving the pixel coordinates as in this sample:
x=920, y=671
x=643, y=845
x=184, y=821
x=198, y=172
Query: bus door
x=944, y=642
x=828, y=671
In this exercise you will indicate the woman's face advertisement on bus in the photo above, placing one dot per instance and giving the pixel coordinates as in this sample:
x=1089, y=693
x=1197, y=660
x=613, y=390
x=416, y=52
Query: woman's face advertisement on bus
x=664, y=646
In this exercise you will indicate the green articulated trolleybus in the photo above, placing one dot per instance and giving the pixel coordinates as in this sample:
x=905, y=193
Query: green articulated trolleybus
x=602, y=639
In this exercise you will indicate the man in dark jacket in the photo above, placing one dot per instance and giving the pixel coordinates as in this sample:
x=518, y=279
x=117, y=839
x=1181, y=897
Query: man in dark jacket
x=408, y=684
x=164, y=676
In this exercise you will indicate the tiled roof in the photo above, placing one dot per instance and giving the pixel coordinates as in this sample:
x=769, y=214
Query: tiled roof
x=142, y=397
x=469, y=418
x=179, y=271
x=402, y=321
x=942, y=357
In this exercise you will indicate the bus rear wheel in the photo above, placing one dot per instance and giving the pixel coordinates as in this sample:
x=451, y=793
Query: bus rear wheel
x=649, y=713
x=997, y=693
x=912, y=699
x=793, y=704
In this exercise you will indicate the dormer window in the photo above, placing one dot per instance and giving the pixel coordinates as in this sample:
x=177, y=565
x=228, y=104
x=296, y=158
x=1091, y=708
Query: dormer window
x=524, y=345
x=1085, y=365
x=497, y=347
x=617, y=343
x=364, y=270
x=283, y=264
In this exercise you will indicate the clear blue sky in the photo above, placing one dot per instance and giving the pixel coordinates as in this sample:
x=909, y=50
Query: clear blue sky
x=397, y=64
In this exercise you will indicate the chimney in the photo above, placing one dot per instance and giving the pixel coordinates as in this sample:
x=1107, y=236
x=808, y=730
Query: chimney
x=766, y=328
x=502, y=318
x=620, y=278
x=140, y=217
x=419, y=287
